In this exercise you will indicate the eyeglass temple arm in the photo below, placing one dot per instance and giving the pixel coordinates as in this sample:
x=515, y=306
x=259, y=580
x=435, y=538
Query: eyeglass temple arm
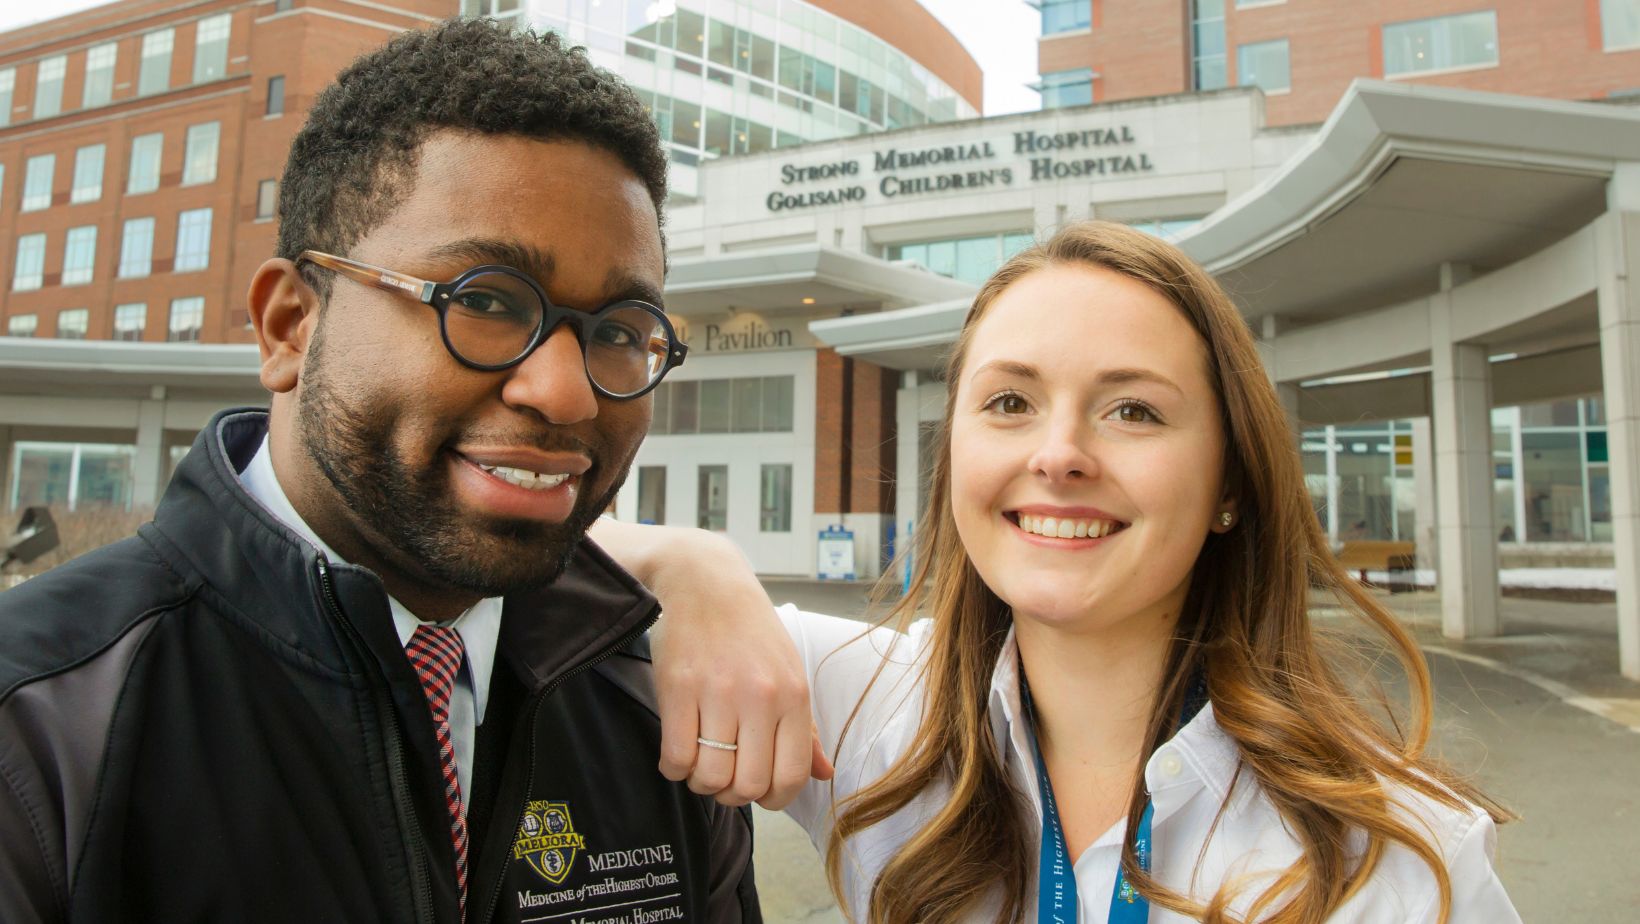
x=372, y=275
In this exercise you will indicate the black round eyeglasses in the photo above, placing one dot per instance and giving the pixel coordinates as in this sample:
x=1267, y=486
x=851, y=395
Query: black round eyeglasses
x=493, y=317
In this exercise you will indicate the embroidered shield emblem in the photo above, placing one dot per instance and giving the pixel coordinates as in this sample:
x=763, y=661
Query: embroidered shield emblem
x=547, y=840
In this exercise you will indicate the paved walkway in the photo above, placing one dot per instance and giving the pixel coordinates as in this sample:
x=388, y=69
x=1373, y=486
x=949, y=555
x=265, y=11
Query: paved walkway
x=1540, y=717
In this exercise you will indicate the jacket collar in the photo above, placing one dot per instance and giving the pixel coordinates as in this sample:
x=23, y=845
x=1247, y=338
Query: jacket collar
x=262, y=571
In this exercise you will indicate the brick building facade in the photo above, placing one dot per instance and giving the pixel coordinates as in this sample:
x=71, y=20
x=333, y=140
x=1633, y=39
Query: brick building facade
x=172, y=158
x=1563, y=49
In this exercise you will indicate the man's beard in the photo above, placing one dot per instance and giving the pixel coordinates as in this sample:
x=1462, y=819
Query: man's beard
x=413, y=508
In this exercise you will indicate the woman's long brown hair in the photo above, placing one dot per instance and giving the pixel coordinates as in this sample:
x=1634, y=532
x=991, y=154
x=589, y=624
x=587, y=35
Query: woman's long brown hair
x=1319, y=755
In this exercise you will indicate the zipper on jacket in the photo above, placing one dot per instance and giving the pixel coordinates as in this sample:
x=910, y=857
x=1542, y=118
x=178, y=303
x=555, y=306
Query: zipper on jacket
x=534, y=712
x=422, y=886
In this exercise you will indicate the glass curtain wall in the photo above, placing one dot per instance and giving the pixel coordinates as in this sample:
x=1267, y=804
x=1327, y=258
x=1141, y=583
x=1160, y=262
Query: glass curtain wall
x=1551, y=476
x=725, y=77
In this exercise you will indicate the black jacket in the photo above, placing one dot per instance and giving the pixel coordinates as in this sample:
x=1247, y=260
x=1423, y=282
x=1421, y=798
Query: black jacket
x=211, y=722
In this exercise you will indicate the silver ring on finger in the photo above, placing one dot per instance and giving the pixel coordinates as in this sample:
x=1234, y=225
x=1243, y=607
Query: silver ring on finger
x=717, y=745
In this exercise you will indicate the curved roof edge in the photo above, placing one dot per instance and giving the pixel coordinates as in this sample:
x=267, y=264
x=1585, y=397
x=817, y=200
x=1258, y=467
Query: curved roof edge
x=910, y=27
x=1377, y=121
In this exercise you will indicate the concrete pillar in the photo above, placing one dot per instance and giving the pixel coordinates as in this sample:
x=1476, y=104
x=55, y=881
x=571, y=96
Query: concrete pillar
x=907, y=464
x=5, y=471
x=1461, y=398
x=1270, y=327
x=1424, y=530
x=1618, y=292
x=148, y=468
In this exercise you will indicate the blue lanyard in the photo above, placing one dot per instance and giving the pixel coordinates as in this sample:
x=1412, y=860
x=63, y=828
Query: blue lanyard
x=1056, y=874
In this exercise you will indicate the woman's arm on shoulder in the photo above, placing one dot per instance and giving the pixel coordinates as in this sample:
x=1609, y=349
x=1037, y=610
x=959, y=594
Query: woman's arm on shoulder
x=724, y=666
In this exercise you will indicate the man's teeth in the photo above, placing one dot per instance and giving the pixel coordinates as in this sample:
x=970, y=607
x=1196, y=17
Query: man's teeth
x=1067, y=528
x=525, y=478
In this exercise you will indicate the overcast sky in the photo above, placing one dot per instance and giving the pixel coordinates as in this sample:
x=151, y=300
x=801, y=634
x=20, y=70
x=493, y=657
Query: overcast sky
x=1000, y=34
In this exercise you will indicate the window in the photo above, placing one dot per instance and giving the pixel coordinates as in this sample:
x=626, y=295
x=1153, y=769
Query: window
x=187, y=318
x=88, y=173
x=276, y=95
x=775, y=499
x=37, y=176
x=1444, y=43
x=73, y=323
x=1208, y=71
x=31, y=263
x=136, y=248
x=199, y=153
x=193, y=240
x=1264, y=65
x=267, y=199
x=712, y=502
x=741, y=405
x=145, y=152
x=155, y=74
x=970, y=259
x=1066, y=15
x=129, y=320
x=1165, y=228
x=99, y=74
x=79, y=255
x=8, y=83
x=48, y=87
x=72, y=474
x=1067, y=88
x=22, y=325
x=211, y=47
x=652, y=495
x=1620, y=23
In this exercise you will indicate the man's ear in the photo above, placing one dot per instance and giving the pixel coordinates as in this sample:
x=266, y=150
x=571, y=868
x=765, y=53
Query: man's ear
x=284, y=313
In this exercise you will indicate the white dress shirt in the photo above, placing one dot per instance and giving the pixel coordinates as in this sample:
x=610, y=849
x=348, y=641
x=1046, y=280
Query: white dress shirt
x=478, y=626
x=1189, y=778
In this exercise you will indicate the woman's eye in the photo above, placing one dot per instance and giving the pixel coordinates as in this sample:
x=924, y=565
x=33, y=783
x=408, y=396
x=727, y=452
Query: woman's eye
x=1008, y=404
x=1134, y=413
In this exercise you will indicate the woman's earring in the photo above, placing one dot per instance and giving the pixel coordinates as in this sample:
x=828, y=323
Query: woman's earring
x=1226, y=518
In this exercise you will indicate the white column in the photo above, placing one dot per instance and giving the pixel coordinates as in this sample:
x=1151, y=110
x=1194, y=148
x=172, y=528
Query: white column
x=1425, y=532
x=1461, y=399
x=1618, y=269
x=149, y=465
x=907, y=466
x=5, y=476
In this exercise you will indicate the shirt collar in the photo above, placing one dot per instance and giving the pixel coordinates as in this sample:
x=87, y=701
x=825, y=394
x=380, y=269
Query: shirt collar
x=1201, y=756
x=479, y=626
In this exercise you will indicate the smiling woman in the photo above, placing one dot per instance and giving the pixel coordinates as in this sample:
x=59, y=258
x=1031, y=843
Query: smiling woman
x=1116, y=571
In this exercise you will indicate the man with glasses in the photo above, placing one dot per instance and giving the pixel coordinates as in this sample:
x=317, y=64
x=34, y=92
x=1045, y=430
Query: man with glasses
x=361, y=666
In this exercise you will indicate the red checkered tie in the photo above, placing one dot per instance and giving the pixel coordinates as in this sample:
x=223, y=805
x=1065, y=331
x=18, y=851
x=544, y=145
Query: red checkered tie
x=435, y=652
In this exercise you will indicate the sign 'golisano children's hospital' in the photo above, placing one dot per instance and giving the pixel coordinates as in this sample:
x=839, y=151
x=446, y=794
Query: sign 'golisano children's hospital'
x=1035, y=157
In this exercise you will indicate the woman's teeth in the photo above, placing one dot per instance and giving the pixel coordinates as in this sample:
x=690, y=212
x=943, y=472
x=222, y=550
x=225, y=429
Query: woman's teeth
x=524, y=478
x=1067, y=528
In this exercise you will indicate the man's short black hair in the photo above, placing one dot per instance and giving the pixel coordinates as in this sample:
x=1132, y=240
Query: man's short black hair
x=355, y=157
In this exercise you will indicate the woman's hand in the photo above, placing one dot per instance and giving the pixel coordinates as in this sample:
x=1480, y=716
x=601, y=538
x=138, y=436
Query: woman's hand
x=725, y=668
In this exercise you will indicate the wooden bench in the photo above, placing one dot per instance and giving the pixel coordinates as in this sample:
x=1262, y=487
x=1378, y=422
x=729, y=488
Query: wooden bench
x=1396, y=558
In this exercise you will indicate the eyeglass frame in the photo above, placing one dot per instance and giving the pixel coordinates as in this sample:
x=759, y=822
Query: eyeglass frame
x=436, y=295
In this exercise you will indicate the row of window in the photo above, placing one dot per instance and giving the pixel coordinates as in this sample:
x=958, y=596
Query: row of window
x=199, y=165
x=694, y=126
x=187, y=319
x=809, y=79
x=742, y=405
x=153, y=73
x=1409, y=48
x=974, y=258
x=193, y=251
x=712, y=497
